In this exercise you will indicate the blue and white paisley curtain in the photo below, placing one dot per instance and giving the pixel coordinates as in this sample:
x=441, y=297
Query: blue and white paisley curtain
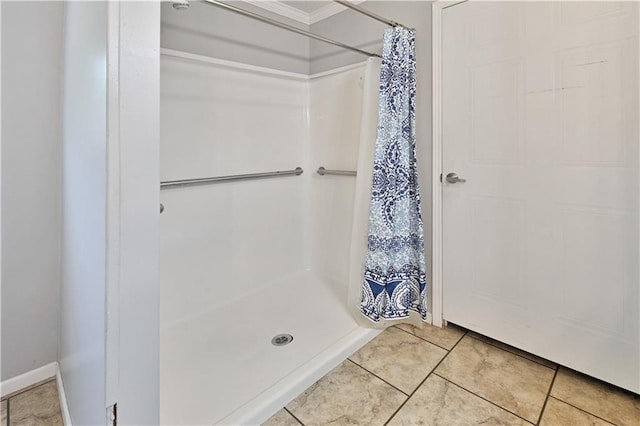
x=394, y=282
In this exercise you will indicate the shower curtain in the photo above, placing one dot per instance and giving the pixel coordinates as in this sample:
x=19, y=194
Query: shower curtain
x=391, y=282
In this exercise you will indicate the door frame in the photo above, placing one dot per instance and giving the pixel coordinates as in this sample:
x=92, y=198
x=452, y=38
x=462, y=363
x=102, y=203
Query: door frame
x=133, y=162
x=437, y=8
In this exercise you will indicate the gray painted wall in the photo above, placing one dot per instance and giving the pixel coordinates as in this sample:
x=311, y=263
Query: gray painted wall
x=31, y=72
x=84, y=193
x=358, y=30
x=215, y=32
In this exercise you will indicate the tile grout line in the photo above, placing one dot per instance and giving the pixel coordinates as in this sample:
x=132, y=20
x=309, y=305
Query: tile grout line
x=581, y=409
x=556, y=370
x=375, y=375
x=546, y=399
x=513, y=353
x=292, y=415
x=422, y=382
x=484, y=399
x=388, y=383
x=428, y=341
x=433, y=372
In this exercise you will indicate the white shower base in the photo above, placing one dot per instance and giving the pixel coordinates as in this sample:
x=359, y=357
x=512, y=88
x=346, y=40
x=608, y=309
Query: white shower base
x=220, y=367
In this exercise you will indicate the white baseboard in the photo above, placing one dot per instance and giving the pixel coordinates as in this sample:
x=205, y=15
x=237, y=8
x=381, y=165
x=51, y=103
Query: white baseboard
x=64, y=407
x=27, y=379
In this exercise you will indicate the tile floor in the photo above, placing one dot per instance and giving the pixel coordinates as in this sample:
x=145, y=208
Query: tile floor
x=427, y=376
x=34, y=406
x=433, y=376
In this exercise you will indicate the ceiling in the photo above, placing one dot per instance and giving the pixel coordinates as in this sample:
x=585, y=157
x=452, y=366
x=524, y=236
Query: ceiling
x=307, y=6
x=305, y=11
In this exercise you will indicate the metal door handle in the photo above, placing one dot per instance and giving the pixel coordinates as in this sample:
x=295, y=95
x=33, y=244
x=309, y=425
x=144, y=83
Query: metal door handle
x=453, y=178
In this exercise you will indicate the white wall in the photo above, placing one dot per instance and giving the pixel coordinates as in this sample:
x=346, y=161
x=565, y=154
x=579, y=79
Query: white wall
x=84, y=194
x=220, y=242
x=31, y=75
x=212, y=31
x=335, y=110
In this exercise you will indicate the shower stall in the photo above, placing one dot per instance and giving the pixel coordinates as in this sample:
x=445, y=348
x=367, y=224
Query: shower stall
x=259, y=180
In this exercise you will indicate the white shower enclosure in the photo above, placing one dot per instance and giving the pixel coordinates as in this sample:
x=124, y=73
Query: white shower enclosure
x=243, y=261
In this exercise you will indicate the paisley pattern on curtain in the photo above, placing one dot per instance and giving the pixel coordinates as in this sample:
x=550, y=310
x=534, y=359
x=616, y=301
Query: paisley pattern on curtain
x=394, y=277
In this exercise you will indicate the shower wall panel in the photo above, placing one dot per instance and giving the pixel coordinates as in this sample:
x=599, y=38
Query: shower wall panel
x=224, y=241
x=335, y=104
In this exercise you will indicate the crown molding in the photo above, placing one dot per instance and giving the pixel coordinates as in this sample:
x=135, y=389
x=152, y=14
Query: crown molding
x=282, y=9
x=298, y=15
x=328, y=11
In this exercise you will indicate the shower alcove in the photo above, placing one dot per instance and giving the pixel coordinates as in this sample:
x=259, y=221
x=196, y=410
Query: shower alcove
x=243, y=261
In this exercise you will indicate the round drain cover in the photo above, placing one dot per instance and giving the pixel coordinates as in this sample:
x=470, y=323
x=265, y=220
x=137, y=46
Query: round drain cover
x=282, y=339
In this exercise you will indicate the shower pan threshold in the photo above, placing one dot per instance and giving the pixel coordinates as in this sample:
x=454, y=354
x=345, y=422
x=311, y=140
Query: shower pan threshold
x=221, y=367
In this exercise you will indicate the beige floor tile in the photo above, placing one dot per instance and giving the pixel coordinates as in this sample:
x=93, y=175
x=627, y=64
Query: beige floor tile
x=596, y=397
x=37, y=406
x=557, y=413
x=507, y=380
x=281, y=418
x=348, y=395
x=439, y=402
x=399, y=358
x=513, y=350
x=445, y=337
x=3, y=413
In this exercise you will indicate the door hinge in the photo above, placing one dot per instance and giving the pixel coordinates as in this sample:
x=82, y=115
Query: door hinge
x=112, y=415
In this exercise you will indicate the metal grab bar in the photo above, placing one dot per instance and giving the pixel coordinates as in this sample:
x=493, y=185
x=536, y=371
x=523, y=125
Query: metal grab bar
x=322, y=171
x=188, y=182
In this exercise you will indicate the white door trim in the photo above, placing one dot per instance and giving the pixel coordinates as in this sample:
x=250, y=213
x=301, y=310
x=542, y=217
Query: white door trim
x=137, y=111
x=436, y=150
x=112, y=320
x=436, y=153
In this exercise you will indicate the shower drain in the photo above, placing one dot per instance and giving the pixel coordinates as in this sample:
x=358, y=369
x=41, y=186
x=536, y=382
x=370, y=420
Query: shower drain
x=282, y=339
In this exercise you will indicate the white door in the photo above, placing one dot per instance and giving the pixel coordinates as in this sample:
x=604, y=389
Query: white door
x=540, y=116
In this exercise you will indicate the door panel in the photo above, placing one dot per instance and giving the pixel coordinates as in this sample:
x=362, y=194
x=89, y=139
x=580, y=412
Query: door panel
x=540, y=116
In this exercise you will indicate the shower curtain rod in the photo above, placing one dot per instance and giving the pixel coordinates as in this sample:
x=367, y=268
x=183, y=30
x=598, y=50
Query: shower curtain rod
x=286, y=26
x=369, y=14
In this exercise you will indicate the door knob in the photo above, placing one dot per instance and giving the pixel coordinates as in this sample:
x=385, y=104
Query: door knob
x=453, y=178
